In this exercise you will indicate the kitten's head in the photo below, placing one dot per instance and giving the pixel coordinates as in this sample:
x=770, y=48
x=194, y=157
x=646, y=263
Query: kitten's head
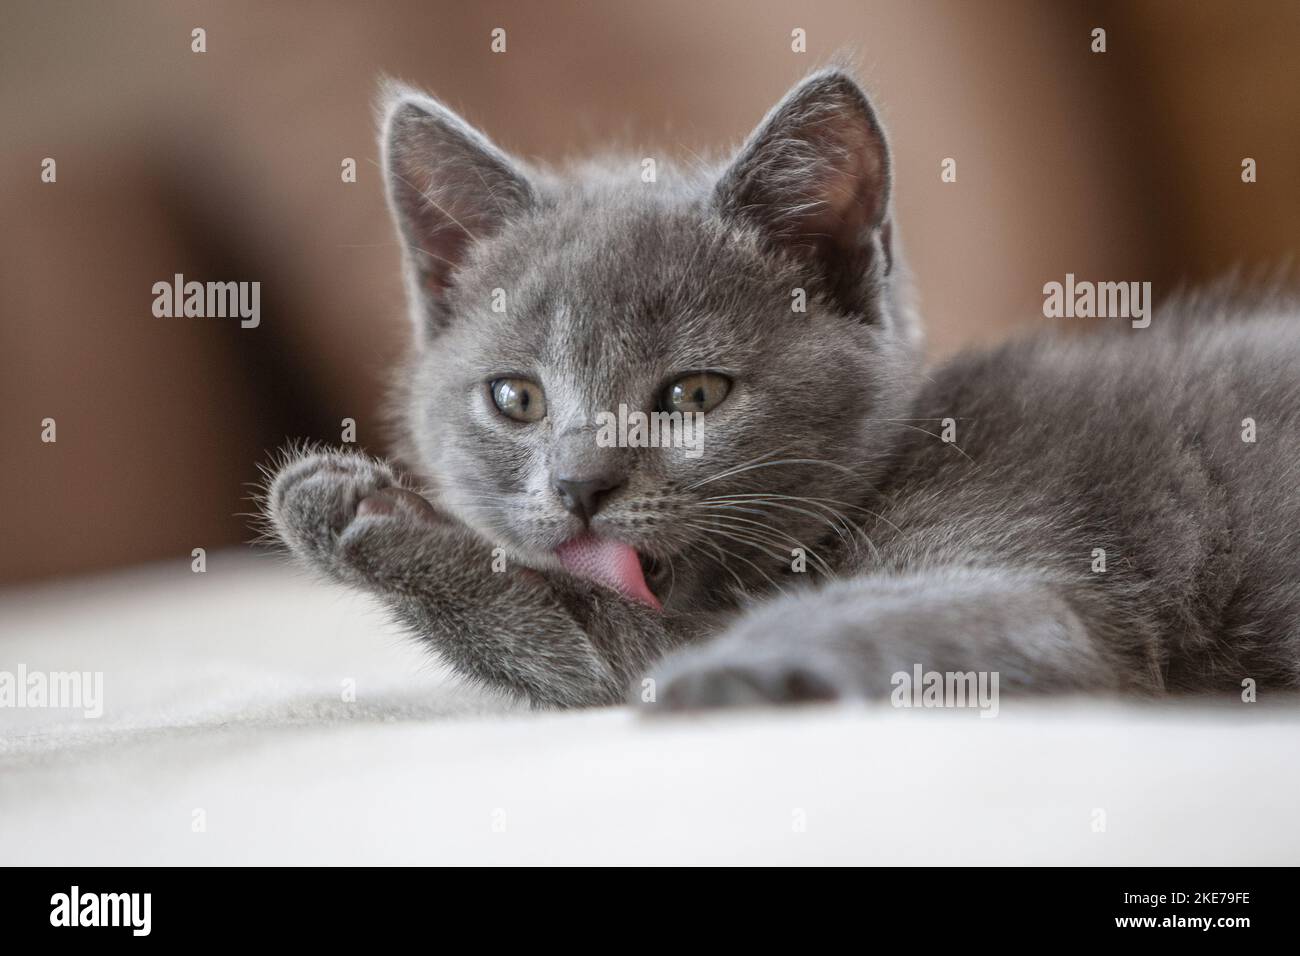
x=764, y=294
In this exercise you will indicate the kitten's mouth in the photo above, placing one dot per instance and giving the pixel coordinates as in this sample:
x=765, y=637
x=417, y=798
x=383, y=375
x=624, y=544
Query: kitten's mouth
x=653, y=572
x=613, y=564
x=658, y=578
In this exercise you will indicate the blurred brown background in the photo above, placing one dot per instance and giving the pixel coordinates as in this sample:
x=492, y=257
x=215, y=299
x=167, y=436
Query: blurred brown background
x=225, y=166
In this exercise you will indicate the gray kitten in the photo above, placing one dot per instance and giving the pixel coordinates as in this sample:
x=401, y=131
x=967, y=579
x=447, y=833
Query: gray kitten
x=829, y=536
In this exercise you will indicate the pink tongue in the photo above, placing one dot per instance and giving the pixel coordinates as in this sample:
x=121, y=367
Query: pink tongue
x=611, y=563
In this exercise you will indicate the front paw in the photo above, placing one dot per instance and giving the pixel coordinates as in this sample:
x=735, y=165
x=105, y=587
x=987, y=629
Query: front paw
x=325, y=505
x=734, y=675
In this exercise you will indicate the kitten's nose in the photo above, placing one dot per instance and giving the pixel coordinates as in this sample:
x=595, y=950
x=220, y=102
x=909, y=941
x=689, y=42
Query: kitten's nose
x=584, y=496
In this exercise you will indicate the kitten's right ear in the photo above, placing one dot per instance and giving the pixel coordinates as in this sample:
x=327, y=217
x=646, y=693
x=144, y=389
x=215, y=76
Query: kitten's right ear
x=448, y=187
x=815, y=178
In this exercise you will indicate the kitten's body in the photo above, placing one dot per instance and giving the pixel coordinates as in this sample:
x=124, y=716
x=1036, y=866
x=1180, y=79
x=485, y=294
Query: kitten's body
x=976, y=554
x=1130, y=442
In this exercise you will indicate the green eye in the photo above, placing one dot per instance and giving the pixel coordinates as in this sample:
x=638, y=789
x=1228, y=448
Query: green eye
x=519, y=399
x=697, y=392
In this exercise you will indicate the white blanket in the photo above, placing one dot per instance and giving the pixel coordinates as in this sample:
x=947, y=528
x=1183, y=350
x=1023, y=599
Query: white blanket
x=226, y=737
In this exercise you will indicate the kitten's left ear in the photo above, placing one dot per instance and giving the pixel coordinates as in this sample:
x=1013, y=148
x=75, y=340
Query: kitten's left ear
x=815, y=178
x=448, y=187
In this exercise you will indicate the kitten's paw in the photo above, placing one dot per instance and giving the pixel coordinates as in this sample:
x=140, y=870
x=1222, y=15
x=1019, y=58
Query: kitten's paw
x=322, y=503
x=713, y=677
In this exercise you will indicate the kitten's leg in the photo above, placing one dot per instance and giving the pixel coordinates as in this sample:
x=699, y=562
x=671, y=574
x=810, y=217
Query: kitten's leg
x=848, y=640
x=545, y=637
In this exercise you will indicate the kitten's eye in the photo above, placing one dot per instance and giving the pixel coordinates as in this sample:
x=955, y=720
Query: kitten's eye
x=519, y=399
x=697, y=392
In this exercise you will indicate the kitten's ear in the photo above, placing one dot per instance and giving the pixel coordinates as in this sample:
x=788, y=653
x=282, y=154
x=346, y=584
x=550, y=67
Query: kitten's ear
x=448, y=187
x=815, y=177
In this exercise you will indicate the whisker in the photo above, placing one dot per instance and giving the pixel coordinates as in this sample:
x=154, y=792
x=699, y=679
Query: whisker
x=820, y=502
x=672, y=579
x=837, y=527
x=825, y=568
x=738, y=557
x=773, y=464
x=736, y=468
x=755, y=540
x=722, y=554
x=951, y=444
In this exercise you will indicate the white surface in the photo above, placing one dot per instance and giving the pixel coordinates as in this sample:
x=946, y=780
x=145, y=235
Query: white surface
x=223, y=692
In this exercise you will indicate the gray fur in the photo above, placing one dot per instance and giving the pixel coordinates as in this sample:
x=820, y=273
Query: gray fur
x=971, y=555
